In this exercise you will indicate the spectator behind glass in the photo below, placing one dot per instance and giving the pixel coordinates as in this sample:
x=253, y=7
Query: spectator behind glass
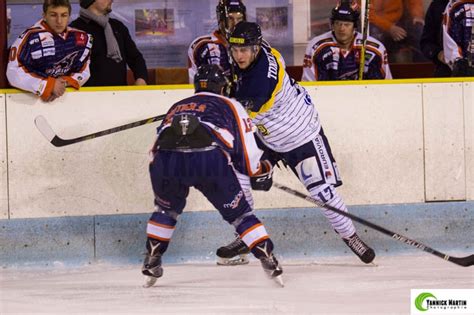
x=50, y=56
x=458, y=37
x=113, y=48
x=335, y=55
x=431, y=42
x=212, y=48
x=398, y=24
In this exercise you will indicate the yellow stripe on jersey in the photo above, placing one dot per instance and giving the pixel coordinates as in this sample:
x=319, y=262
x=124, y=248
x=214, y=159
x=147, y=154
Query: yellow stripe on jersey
x=281, y=75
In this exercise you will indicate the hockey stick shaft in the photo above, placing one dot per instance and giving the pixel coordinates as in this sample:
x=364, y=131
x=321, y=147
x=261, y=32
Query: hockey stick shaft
x=55, y=140
x=365, y=30
x=461, y=261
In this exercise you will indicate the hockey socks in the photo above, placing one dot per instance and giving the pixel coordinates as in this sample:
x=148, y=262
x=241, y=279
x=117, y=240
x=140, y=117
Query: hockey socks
x=327, y=194
x=160, y=227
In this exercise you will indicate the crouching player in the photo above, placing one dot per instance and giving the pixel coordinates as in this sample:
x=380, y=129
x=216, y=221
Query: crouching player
x=207, y=141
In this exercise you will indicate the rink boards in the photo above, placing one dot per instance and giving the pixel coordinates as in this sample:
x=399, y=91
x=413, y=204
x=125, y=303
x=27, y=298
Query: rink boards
x=405, y=142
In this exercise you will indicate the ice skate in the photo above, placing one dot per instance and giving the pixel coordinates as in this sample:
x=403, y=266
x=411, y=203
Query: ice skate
x=233, y=254
x=273, y=269
x=152, y=269
x=364, y=252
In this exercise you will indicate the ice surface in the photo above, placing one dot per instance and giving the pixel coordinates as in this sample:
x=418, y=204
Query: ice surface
x=327, y=286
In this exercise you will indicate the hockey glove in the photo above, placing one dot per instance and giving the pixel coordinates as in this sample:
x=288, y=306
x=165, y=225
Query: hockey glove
x=461, y=68
x=263, y=180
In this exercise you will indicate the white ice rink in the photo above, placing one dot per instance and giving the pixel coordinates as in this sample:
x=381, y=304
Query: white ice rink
x=323, y=286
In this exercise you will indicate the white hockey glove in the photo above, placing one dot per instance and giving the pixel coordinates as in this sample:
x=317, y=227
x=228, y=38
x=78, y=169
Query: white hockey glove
x=264, y=179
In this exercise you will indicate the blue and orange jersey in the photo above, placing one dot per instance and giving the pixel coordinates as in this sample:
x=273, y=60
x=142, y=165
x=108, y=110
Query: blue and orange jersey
x=208, y=49
x=458, y=37
x=228, y=125
x=324, y=59
x=39, y=56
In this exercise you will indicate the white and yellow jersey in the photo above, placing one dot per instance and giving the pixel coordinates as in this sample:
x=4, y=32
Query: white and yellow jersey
x=281, y=109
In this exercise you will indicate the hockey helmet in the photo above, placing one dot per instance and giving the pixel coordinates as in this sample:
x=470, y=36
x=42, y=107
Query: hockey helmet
x=211, y=78
x=223, y=8
x=345, y=11
x=246, y=34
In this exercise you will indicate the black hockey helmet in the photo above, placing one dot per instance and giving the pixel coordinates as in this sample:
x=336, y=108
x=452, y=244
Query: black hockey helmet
x=345, y=11
x=211, y=78
x=223, y=8
x=246, y=34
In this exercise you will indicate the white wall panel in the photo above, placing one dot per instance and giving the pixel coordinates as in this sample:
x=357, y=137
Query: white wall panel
x=375, y=131
x=3, y=162
x=445, y=171
x=469, y=138
x=100, y=176
x=376, y=135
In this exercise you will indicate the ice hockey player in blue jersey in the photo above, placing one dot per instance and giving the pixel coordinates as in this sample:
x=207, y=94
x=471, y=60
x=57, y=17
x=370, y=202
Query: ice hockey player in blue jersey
x=458, y=37
x=335, y=55
x=50, y=56
x=207, y=141
x=213, y=48
x=289, y=126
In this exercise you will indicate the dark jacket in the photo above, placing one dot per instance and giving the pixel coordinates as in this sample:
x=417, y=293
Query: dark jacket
x=105, y=71
x=432, y=38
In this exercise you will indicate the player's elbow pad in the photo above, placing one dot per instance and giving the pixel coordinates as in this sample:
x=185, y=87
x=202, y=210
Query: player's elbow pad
x=264, y=180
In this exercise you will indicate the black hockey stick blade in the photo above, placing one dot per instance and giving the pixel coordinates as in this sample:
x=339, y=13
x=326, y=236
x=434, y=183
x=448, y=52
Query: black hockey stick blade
x=461, y=261
x=46, y=130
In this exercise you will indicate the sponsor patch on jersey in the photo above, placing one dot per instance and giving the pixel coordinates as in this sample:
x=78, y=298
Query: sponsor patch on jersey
x=36, y=54
x=81, y=39
x=84, y=55
x=46, y=39
x=49, y=51
x=308, y=171
x=263, y=130
x=34, y=41
x=89, y=42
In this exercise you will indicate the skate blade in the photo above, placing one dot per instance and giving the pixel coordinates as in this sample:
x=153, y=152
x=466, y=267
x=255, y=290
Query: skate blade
x=149, y=282
x=241, y=260
x=279, y=280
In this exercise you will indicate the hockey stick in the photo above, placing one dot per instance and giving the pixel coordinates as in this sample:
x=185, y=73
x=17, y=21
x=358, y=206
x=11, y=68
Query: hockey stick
x=46, y=130
x=461, y=261
x=364, y=40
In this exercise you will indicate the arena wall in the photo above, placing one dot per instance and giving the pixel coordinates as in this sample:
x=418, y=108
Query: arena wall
x=394, y=143
x=400, y=146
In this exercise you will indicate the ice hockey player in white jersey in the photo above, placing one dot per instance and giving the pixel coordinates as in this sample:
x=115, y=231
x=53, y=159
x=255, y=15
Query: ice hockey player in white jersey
x=288, y=125
x=50, y=56
x=213, y=48
x=458, y=37
x=335, y=55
